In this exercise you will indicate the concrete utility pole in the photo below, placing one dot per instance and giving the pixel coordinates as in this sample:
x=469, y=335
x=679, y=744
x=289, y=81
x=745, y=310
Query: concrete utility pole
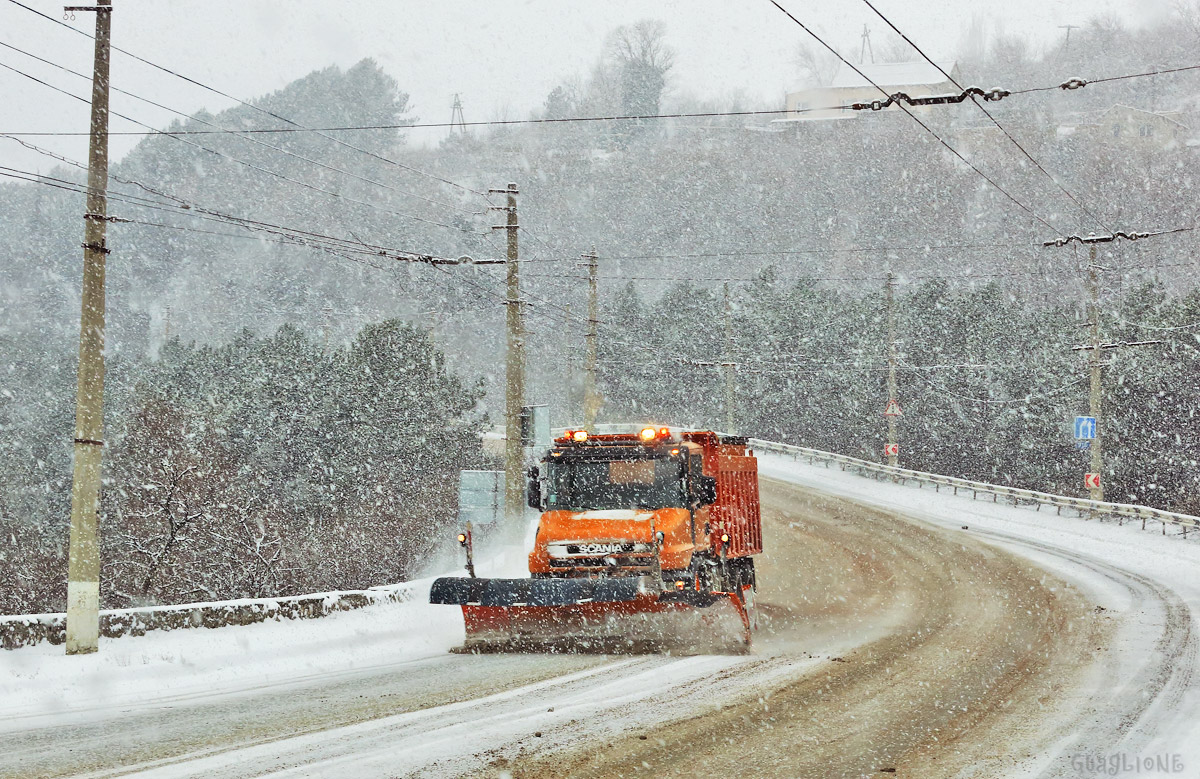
x=83, y=574
x=1095, y=397
x=326, y=328
x=1093, y=480
x=727, y=366
x=893, y=406
x=591, y=399
x=514, y=395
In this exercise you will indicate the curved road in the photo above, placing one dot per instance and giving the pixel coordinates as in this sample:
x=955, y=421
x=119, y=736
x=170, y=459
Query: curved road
x=885, y=644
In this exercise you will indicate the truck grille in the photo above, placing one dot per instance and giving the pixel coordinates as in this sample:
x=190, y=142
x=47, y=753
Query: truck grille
x=609, y=561
x=579, y=549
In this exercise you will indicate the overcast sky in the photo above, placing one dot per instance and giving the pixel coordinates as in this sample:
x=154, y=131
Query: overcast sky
x=502, y=57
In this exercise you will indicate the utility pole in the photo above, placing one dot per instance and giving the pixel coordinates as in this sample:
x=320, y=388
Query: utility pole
x=1068, y=28
x=83, y=572
x=591, y=399
x=1093, y=480
x=727, y=366
x=1095, y=398
x=514, y=393
x=326, y=328
x=892, y=412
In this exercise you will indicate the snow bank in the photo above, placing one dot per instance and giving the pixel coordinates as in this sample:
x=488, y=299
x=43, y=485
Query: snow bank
x=30, y=629
x=181, y=665
x=254, y=644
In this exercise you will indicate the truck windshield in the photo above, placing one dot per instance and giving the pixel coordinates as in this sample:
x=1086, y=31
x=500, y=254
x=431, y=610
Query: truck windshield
x=615, y=484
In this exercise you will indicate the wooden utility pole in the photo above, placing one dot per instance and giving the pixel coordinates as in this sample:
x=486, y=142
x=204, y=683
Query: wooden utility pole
x=1095, y=396
x=83, y=573
x=591, y=399
x=893, y=407
x=727, y=366
x=514, y=394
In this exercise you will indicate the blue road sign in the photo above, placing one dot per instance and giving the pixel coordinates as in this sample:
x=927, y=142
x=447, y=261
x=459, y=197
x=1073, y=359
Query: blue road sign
x=1085, y=428
x=1084, y=445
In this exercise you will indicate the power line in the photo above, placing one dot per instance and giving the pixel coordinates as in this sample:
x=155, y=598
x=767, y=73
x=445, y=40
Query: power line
x=1077, y=83
x=989, y=115
x=216, y=91
x=293, y=236
x=488, y=123
x=788, y=252
x=183, y=207
x=239, y=133
x=199, y=212
x=1069, y=84
x=915, y=118
x=249, y=165
x=941, y=388
x=355, y=251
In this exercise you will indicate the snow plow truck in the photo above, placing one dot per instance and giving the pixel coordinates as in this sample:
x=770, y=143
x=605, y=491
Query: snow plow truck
x=645, y=542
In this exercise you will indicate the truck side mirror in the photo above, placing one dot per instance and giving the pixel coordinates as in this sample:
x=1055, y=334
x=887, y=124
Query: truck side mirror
x=706, y=490
x=533, y=489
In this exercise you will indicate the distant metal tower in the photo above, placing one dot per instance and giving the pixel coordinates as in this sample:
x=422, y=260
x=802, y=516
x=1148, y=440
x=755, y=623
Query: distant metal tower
x=866, y=46
x=457, y=122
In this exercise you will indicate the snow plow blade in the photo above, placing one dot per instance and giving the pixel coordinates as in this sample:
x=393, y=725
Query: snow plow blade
x=620, y=614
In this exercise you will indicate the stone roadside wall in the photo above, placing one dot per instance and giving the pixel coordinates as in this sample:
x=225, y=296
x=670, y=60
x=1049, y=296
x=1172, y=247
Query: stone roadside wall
x=31, y=629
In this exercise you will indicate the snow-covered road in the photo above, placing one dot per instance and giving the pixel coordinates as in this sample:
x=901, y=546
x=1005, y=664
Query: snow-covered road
x=894, y=639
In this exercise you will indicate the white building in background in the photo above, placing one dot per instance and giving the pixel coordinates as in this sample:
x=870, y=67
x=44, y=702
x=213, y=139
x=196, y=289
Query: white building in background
x=1121, y=125
x=916, y=79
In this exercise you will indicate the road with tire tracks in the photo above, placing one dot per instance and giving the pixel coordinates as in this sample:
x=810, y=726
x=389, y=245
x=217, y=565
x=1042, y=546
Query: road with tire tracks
x=885, y=644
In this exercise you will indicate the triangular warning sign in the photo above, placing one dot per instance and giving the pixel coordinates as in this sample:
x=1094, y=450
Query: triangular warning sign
x=893, y=409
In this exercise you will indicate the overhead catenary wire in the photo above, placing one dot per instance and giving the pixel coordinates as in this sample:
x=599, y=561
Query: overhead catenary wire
x=293, y=236
x=1069, y=84
x=199, y=212
x=249, y=165
x=989, y=115
x=242, y=134
x=183, y=208
x=917, y=119
x=352, y=250
x=1077, y=83
x=1023, y=400
x=251, y=106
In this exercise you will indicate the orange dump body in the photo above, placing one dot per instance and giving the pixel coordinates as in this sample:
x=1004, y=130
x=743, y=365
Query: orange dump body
x=736, y=512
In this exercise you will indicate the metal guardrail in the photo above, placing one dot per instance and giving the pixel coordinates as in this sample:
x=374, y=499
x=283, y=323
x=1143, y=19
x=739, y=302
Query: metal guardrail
x=1093, y=508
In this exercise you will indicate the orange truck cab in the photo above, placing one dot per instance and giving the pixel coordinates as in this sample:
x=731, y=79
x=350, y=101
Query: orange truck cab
x=682, y=509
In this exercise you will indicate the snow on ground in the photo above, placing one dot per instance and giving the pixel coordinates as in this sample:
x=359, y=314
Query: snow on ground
x=1141, y=577
x=1147, y=581
x=42, y=682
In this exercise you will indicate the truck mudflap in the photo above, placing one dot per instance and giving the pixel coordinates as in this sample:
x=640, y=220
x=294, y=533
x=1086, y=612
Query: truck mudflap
x=619, y=614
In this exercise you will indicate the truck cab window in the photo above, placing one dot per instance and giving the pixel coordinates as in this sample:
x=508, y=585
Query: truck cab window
x=615, y=484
